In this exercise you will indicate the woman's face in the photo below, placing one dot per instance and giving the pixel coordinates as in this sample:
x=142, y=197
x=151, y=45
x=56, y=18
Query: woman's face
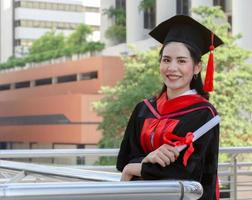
x=177, y=68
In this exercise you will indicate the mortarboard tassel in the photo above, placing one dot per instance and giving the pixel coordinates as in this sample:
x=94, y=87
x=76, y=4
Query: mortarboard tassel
x=208, y=86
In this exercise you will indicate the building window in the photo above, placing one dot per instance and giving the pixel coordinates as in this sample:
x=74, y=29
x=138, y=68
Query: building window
x=91, y=9
x=183, y=7
x=221, y=3
x=17, y=42
x=17, y=4
x=89, y=75
x=49, y=80
x=45, y=81
x=42, y=5
x=17, y=23
x=67, y=78
x=46, y=24
x=23, y=42
x=4, y=87
x=120, y=4
x=229, y=19
x=50, y=6
x=23, y=84
x=149, y=18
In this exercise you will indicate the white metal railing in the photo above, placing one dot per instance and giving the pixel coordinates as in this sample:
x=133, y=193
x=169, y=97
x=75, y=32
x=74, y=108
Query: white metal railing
x=147, y=190
x=35, y=153
x=228, y=172
x=47, y=153
x=61, y=171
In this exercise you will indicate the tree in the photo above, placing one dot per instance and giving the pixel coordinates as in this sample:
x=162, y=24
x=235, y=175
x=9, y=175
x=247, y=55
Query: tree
x=147, y=4
x=117, y=31
x=52, y=45
x=141, y=79
x=232, y=95
x=79, y=36
x=233, y=82
x=48, y=42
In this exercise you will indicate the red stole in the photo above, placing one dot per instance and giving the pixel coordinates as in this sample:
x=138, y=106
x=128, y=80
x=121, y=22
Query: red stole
x=157, y=131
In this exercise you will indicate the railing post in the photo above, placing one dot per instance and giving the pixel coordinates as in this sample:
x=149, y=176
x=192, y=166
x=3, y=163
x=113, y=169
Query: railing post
x=234, y=178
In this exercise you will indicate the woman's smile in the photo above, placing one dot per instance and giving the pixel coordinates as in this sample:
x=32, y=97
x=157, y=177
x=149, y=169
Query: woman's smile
x=173, y=77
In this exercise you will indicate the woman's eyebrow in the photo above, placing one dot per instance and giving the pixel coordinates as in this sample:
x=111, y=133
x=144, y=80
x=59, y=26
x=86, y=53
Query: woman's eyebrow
x=179, y=57
x=182, y=57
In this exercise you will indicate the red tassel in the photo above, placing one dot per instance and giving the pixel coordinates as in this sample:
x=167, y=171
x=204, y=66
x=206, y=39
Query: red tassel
x=208, y=86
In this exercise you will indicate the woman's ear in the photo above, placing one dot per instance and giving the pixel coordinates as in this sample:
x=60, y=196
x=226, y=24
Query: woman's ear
x=197, y=68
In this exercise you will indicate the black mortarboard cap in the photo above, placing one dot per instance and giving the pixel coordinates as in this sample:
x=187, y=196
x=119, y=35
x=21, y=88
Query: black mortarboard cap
x=182, y=28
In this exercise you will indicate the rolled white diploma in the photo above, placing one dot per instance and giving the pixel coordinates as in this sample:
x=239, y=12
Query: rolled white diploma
x=202, y=130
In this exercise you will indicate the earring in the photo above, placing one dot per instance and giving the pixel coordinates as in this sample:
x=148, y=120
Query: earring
x=195, y=76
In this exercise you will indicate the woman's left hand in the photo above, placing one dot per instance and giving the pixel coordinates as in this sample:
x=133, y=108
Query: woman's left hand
x=130, y=170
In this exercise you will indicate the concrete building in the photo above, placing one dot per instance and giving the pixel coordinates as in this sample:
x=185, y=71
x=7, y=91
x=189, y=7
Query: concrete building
x=23, y=21
x=140, y=22
x=50, y=106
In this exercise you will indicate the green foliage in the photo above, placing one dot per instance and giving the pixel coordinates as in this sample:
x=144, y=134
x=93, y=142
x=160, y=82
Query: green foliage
x=147, y=4
x=229, y=56
x=79, y=36
x=117, y=14
x=52, y=45
x=48, y=42
x=233, y=82
x=12, y=61
x=141, y=80
x=117, y=31
x=232, y=95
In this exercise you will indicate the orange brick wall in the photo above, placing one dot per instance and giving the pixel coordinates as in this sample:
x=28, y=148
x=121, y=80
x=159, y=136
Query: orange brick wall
x=71, y=99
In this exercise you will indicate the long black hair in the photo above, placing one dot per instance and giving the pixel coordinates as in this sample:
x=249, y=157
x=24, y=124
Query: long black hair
x=196, y=82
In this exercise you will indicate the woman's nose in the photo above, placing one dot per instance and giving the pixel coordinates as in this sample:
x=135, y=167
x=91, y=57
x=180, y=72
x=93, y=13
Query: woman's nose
x=172, y=66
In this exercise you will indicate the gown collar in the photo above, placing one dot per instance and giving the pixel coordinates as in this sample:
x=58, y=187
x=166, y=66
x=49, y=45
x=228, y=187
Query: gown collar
x=188, y=98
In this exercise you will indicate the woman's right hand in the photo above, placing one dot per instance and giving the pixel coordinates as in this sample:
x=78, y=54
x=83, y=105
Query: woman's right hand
x=164, y=155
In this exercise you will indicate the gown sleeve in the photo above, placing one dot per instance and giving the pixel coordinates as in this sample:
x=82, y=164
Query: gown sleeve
x=130, y=149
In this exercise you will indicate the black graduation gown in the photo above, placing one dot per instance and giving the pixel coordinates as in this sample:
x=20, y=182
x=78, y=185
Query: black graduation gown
x=202, y=164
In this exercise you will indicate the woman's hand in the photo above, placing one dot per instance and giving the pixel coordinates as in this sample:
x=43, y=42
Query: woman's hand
x=130, y=170
x=164, y=155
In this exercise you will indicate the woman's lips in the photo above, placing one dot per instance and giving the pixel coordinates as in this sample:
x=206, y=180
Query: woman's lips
x=173, y=76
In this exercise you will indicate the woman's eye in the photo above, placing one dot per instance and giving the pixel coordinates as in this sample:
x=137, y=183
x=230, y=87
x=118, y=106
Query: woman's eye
x=165, y=60
x=181, y=61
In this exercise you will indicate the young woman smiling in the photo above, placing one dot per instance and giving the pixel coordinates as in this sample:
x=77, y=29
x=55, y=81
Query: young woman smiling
x=160, y=124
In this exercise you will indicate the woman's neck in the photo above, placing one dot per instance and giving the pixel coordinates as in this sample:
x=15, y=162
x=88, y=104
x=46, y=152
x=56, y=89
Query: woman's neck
x=174, y=94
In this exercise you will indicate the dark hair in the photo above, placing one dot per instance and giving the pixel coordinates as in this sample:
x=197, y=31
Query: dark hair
x=196, y=83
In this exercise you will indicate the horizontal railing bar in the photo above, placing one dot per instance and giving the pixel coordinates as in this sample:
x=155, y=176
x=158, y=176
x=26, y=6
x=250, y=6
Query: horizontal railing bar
x=249, y=173
x=239, y=164
x=244, y=190
x=89, y=167
x=235, y=150
x=113, y=168
x=245, y=199
x=238, y=182
x=154, y=190
x=32, y=153
x=61, y=171
x=226, y=190
x=95, y=167
x=38, y=153
x=225, y=182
